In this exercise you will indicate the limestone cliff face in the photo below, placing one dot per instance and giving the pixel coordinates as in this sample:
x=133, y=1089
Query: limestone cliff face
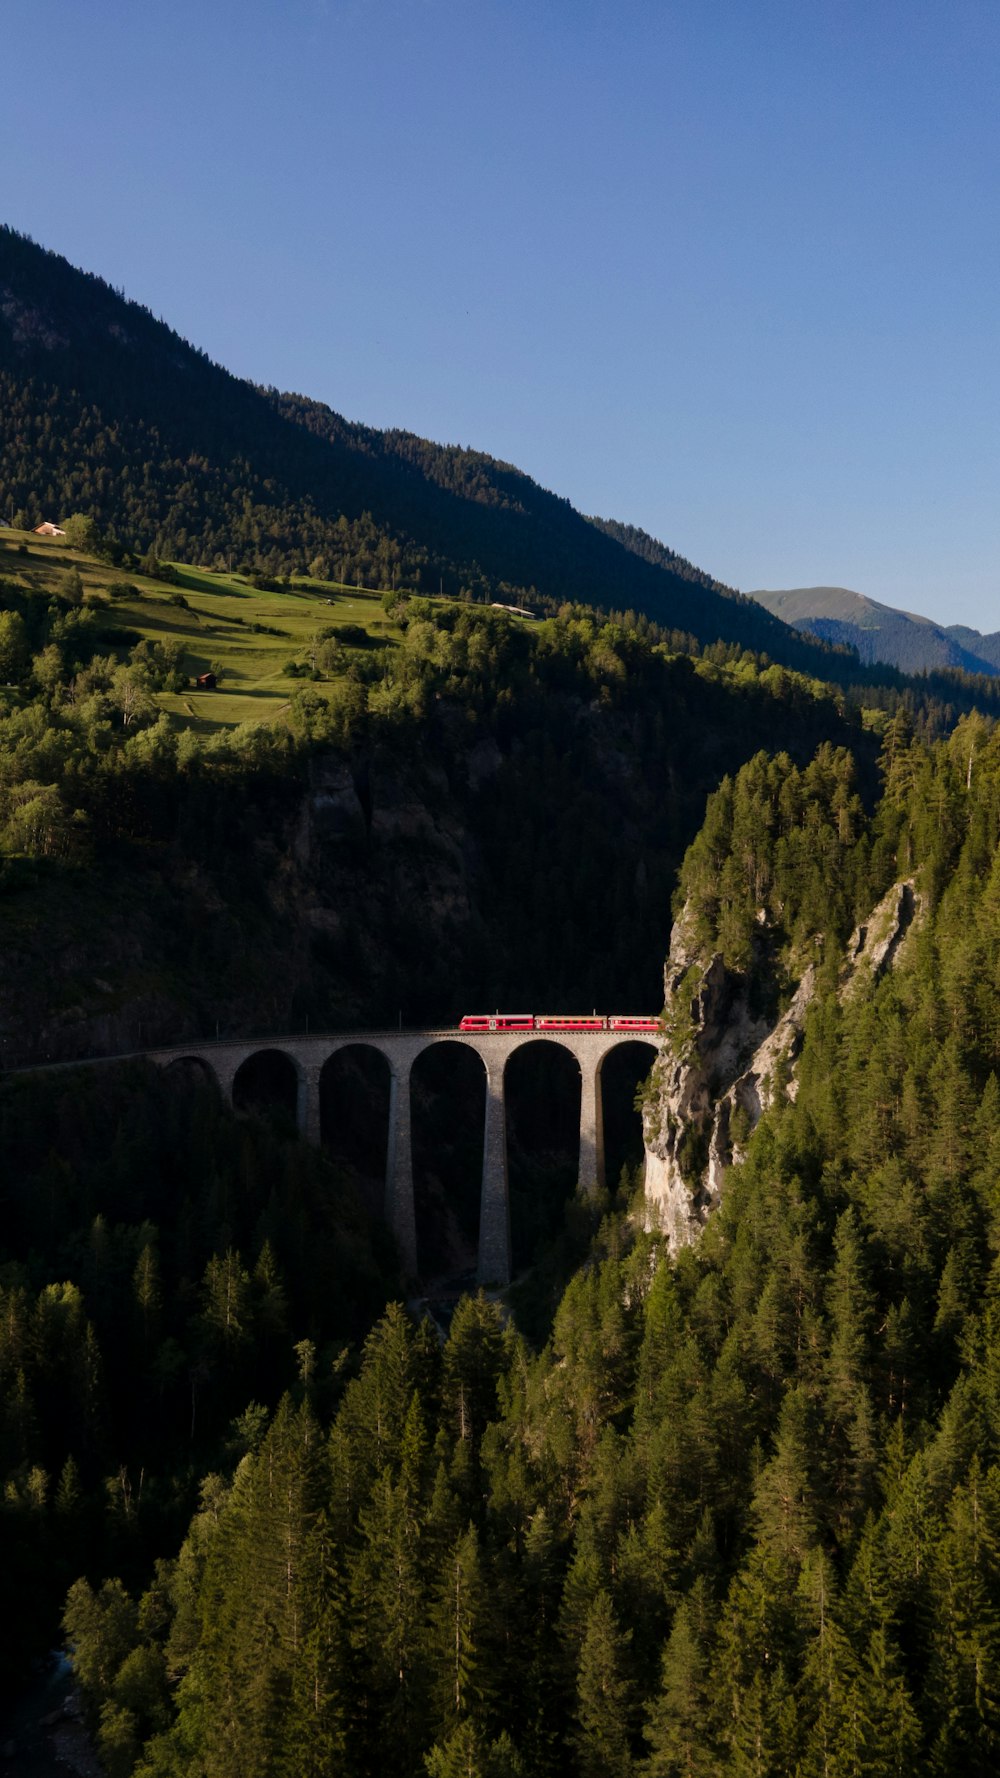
x=874, y=946
x=727, y=1063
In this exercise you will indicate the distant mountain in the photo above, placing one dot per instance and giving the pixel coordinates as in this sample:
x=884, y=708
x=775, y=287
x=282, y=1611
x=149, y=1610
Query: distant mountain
x=105, y=410
x=881, y=632
x=984, y=648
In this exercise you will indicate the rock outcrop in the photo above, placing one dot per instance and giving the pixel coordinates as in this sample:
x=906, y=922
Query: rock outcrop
x=727, y=1063
x=874, y=947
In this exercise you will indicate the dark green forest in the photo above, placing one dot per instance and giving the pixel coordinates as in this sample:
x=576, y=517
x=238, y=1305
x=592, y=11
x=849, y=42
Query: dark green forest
x=582, y=746
x=739, y=1512
x=163, y=1268
x=450, y=793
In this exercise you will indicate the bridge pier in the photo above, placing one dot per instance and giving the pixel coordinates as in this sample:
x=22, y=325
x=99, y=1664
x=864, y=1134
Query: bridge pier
x=494, y=1205
x=307, y=1105
x=225, y=1069
x=590, y=1179
x=400, y=1212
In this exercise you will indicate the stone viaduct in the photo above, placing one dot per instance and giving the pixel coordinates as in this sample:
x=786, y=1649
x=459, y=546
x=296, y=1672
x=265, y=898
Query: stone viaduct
x=223, y=1060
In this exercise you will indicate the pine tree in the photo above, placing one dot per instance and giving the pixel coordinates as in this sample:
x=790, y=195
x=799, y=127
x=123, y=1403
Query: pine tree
x=466, y=1755
x=828, y=1670
x=762, y=1735
x=539, y=1659
x=457, y=1643
x=148, y=1292
x=254, y=1599
x=226, y=1294
x=373, y=1412
x=880, y=1731
x=473, y=1361
x=964, y=1674
x=314, y=1732
x=603, y=1696
x=388, y=1607
x=678, y=1727
x=785, y=1502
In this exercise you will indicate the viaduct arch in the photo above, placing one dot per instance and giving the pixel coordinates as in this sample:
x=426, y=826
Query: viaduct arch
x=223, y=1061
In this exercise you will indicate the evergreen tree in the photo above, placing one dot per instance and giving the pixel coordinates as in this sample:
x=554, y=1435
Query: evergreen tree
x=603, y=1707
x=678, y=1727
x=459, y=1657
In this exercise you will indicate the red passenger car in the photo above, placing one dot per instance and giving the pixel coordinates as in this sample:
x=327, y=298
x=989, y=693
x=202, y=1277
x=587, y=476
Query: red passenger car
x=630, y=1021
x=498, y=1021
x=570, y=1022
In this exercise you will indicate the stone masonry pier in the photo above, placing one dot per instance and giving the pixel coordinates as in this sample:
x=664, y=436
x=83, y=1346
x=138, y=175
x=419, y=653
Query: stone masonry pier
x=308, y=1055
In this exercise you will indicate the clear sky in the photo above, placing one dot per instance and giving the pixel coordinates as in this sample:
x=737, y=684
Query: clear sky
x=726, y=269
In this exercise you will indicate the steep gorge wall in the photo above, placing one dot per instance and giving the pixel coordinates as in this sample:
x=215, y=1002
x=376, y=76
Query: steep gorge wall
x=315, y=901
x=727, y=1061
x=418, y=879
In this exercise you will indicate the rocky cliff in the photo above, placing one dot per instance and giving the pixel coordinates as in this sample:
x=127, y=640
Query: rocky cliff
x=726, y=1060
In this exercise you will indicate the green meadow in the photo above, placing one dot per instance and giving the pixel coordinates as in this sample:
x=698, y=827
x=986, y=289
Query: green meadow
x=247, y=635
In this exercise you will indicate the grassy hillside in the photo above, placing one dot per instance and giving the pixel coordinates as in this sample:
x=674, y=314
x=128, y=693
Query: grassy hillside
x=250, y=635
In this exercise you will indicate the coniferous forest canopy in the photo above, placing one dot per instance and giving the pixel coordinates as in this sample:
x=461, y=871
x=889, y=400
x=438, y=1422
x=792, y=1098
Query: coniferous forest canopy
x=734, y=1509
x=740, y=1512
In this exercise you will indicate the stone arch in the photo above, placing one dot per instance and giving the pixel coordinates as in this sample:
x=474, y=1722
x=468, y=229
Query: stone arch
x=545, y=1097
x=449, y=1093
x=619, y=1074
x=269, y=1080
x=354, y=1088
x=193, y=1068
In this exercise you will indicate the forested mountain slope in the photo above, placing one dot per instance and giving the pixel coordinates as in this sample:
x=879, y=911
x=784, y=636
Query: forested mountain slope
x=881, y=632
x=161, y=1264
x=449, y=788
x=104, y=410
x=447, y=783
x=742, y=1514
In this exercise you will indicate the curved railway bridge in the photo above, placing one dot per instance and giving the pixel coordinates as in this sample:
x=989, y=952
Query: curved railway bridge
x=309, y=1055
x=223, y=1060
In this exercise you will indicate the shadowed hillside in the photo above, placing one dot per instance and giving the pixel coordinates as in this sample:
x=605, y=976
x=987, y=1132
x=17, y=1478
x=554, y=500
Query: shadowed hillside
x=107, y=411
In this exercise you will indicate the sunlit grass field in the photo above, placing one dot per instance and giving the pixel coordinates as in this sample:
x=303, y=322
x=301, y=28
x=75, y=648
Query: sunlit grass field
x=215, y=625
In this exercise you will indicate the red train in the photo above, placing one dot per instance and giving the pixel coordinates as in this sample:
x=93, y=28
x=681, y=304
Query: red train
x=528, y=1021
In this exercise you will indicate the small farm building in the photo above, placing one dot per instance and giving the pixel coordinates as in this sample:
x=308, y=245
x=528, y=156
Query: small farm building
x=48, y=529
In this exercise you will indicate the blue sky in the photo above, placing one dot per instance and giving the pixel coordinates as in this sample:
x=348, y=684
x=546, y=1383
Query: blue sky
x=726, y=269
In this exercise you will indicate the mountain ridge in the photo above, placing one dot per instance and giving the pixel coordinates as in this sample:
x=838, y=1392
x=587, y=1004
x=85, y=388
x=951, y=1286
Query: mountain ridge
x=881, y=633
x=112, y=413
